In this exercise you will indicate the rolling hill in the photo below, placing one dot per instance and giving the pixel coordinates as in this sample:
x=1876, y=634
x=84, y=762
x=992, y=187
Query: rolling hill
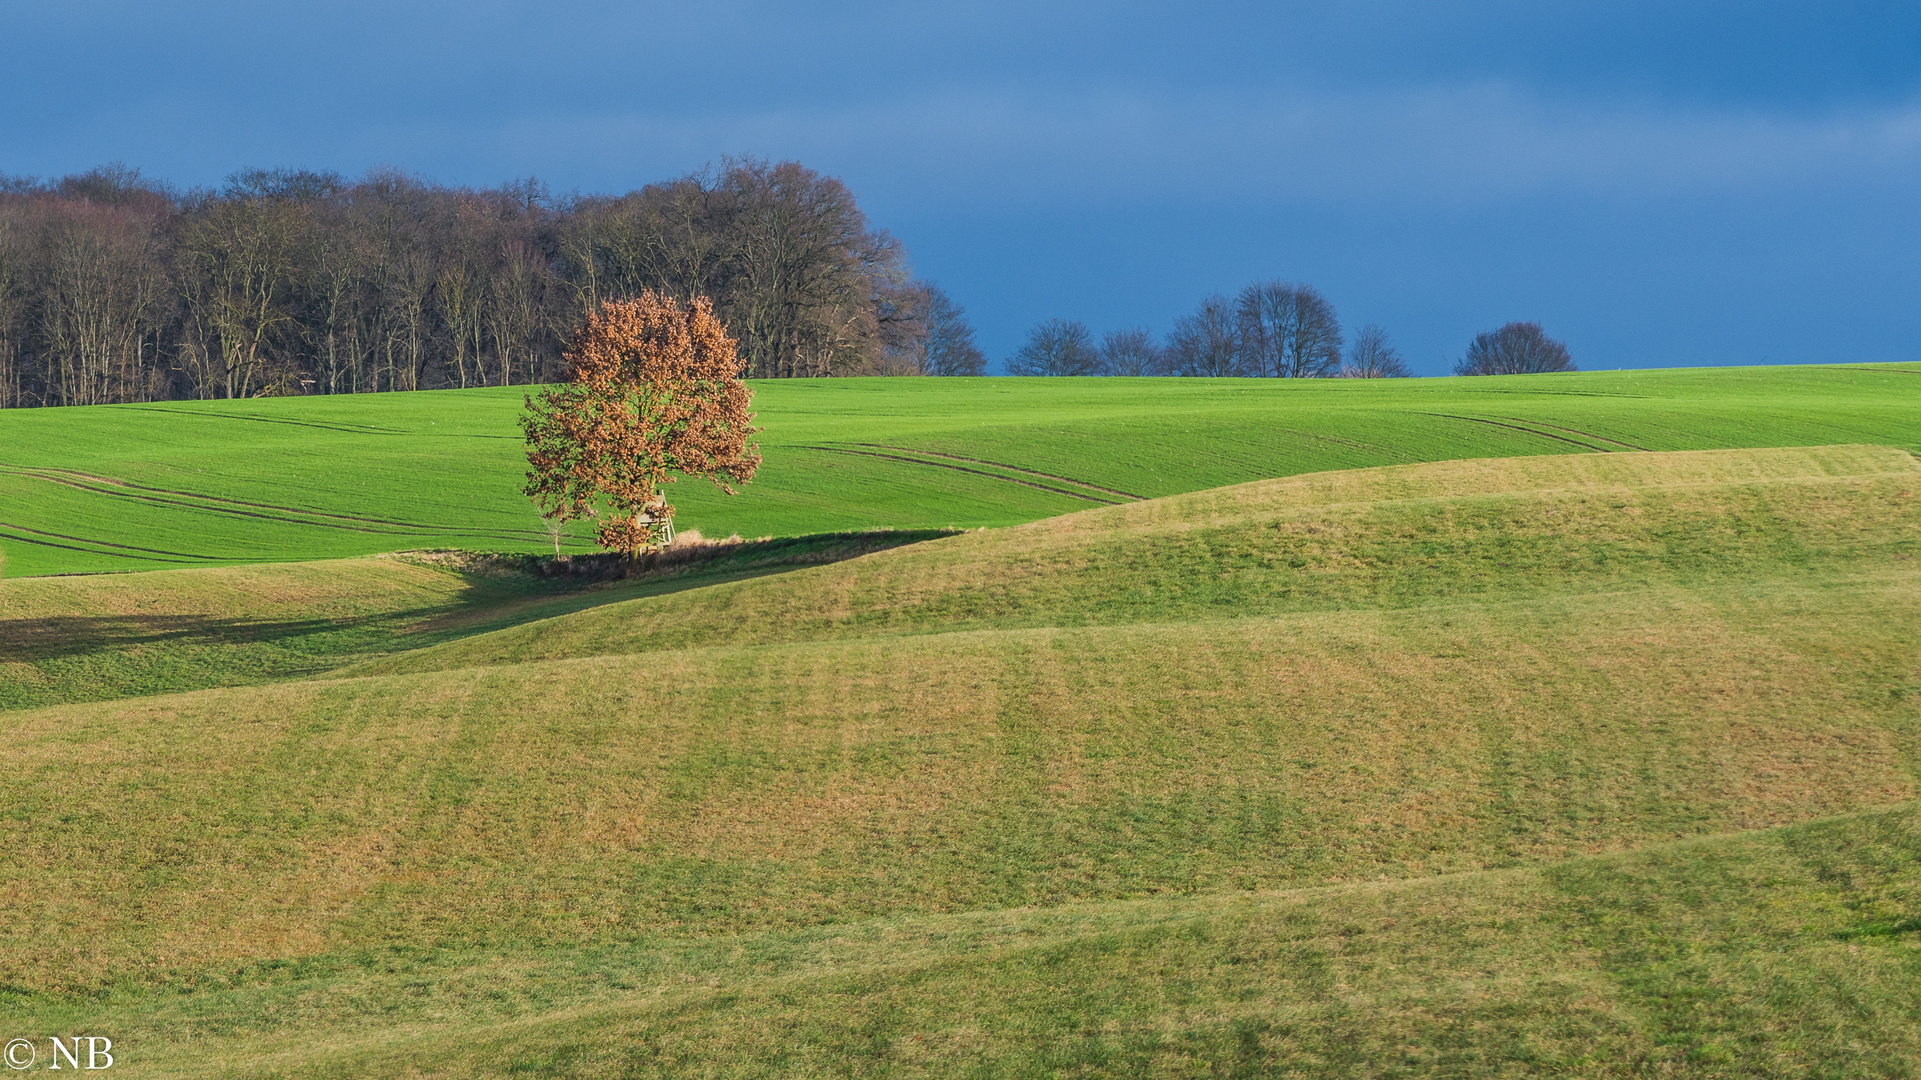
x=1574, y=764
x=176, y=484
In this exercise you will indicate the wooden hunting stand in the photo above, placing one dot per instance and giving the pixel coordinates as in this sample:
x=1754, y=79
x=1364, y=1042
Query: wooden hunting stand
x=656, y=514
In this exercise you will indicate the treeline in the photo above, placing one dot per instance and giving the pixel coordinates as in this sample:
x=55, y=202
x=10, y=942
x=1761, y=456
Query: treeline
x=115, y=288
x=1271, y=329
x=1275, y=329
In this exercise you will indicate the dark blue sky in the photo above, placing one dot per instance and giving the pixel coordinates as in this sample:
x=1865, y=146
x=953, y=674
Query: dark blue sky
x=1659, y=183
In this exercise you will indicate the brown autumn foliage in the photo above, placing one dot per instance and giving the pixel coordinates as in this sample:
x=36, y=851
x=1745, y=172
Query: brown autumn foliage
x=655, y=389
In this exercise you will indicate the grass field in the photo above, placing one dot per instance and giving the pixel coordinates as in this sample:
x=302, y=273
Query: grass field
x=103, y=636
x=140, y=487
x=1575, y=764
x=1784, y=953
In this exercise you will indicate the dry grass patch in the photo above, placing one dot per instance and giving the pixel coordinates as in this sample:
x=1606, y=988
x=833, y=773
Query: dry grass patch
x=1759, y=955
x=726, y=789
x=1187, y=559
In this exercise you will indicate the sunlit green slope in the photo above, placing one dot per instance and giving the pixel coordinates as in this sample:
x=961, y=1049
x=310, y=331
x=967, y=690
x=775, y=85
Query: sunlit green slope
x=1420, y=770
x=1375, y=539
x=1398, y=672
x=198, y=483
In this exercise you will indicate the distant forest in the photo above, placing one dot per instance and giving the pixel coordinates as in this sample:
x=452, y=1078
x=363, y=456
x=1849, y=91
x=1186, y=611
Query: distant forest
x=115, y=288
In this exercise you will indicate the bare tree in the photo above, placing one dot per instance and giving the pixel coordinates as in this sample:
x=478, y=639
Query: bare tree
x=113, y=288
x=17, y=275
x=334, y=261
x=939, y=340
x=1372, y=356
x=900, y=321
x=950, y=339
x=804, y=271
x=1206, y=344
x=1519, y=348
x=1056, y=347
x=1288, y=331
x=675, y=238
x=102, y=282
x=1130, y=352
x=240, y=251
x=518, y=299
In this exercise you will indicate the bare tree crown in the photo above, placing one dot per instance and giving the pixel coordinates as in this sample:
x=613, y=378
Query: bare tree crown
x=1519, y=348
x=1287, y=331
x=1132, y=351
x=1372, y=356
x=1056, y=347
x=289, y=281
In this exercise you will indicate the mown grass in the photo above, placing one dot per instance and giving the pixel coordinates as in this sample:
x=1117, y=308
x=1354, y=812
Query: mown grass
x=205, y=483
x=1764, y=955
x=1423, y=770
x=722, y=790
x=100, y=637
x=1363, y=539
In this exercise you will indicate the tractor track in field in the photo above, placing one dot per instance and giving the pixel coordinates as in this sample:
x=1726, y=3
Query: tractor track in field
x=1556, y=393
x=83, y=480
x=1583, y=434
x=1528, y=430
x=1338, y=441
x=1009, y=468
x=126, y=551
x=185, y=504
x=351, y=429
x=283, y=515
x=962, y=468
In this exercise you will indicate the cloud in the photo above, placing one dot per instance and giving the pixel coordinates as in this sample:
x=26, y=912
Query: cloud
x=1446, y=145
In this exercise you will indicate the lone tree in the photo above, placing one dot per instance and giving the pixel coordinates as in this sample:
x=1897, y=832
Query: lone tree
x=950, y=340
x=1056, y=347
x=1519, y=348
x=1287, y=331
x=1206, y=344
x=1130, y=352
x=1372, y=356
x=655, y=389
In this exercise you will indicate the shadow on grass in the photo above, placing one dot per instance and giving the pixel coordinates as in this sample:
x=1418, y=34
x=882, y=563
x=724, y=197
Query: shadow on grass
x=71, y=658
x=558, y=585
x=72, y=635
x=701, y=556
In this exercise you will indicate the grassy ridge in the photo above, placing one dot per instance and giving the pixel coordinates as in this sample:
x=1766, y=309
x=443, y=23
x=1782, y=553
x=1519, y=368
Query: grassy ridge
x=1379, y=538
x=1404, y=771
x=203, y=483
x=104, y=636
x=726, y=790
x=838, y=769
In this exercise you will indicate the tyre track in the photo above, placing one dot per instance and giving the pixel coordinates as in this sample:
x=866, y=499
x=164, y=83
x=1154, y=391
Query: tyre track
x=53, y=476
x=126, y=553
x=286, y=516
x=1578, y=431
x=1337, y=441
x=1528, y=430
x=962, y=468
x=1010, y=468
x=184, y=504
x=349, y=428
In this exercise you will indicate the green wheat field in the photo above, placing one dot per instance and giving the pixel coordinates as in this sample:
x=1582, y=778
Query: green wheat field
x=1508, y=727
